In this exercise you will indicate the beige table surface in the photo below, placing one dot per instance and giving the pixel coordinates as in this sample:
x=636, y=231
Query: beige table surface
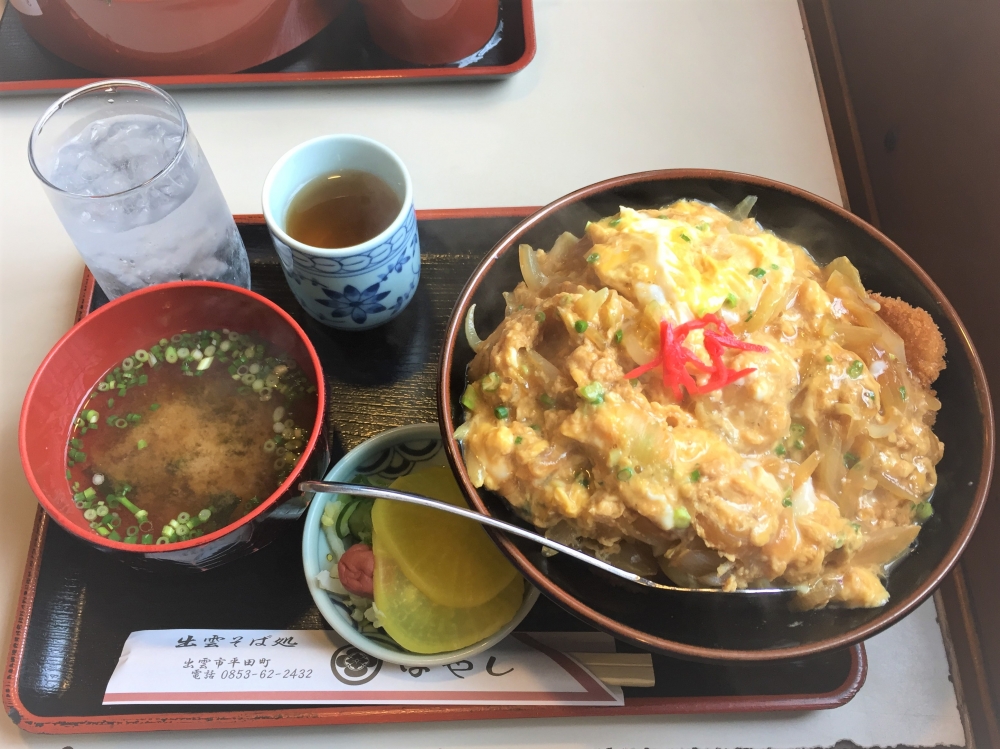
x=617, y=86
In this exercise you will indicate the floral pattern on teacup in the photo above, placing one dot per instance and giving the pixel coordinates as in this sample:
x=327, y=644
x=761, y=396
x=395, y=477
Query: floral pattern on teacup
x=357, y=304
x=353, y=292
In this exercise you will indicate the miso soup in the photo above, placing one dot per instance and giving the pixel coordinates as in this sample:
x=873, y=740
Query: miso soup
x=188, y=436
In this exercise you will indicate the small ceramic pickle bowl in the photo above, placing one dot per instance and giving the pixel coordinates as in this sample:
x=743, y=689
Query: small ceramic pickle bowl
x=388, y=456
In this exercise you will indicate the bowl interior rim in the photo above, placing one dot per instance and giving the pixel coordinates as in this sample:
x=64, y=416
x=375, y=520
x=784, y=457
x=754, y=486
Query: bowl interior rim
x=53, y=509
x=343, y=470
x=895, y=610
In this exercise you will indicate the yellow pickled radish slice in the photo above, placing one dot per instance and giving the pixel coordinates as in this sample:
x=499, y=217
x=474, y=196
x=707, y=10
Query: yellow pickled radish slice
x=422, y=626
x=449, y=559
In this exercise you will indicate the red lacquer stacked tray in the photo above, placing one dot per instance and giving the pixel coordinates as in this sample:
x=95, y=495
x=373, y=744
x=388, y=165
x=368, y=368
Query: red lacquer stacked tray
x=343, y=52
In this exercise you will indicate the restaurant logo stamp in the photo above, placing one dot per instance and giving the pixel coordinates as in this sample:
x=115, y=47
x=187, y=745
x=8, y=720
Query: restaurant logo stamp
x=353, y=667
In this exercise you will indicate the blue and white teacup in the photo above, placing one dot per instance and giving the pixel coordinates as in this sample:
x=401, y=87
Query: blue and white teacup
x=352, y=288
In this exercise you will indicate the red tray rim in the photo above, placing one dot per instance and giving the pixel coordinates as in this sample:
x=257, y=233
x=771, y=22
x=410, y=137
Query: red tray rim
x=365, y=714
x=310, y=77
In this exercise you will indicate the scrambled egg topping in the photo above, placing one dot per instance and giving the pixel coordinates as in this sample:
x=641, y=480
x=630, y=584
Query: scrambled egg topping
x=812, y=470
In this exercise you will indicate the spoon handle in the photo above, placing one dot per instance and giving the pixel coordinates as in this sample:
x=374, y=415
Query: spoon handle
x=360, y=490
x=378, y=492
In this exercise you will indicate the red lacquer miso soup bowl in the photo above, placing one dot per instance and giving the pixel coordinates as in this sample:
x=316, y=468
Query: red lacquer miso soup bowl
x=62, y=389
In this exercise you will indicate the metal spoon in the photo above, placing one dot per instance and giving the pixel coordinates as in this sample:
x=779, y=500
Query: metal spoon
x=377, y=492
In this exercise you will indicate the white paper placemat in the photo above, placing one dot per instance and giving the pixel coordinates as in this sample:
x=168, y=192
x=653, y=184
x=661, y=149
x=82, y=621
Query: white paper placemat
x=316, y=667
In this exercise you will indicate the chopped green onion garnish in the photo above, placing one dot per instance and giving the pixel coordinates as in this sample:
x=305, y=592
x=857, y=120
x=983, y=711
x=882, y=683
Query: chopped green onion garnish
x=580, y=326
x=141, y=444
x=703, y=226
x=856, y=369
x=593, y=393
x=749, y=317
x=153, y=406
x=902, y=392
x=779, y=449
x=685, y=237
x=731, y=300
x=593, y=257
x=547, y=400
x=491, y=382
x=695, y=476
x=922, y=511
x=797, y=429
x=758, y=272
x=799, y=444
x=619, y=334
x=850, y=460
x=614, y=222
x=501, y=412
x=540, y=316
x=470, y=397
x=786, y=502
x=682, y=518
x=625, y=474
x=518, y=440
x=828, y=358
x=774, y=266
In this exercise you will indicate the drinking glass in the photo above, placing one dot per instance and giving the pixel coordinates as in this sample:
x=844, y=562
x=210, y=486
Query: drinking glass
x=134, y=190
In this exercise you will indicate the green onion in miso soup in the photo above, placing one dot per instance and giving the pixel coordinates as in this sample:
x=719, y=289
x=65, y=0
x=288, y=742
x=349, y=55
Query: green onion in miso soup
x=188, y=436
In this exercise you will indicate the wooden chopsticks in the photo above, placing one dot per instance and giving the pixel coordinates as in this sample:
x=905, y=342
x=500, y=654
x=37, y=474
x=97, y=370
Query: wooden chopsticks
x=619, y=669
x=596, y=652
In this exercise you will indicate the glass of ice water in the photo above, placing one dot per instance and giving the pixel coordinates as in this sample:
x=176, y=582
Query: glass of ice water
x=130, y=183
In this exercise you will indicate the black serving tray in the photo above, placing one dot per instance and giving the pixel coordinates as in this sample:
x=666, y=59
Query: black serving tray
x=342, y=52
x=78, y=605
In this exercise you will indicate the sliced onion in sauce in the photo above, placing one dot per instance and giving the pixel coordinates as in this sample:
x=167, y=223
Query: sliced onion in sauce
x=890, y=485
x=475, y=342
x=633, y=346
x=563, y=244
x=546, y=369
x=534, y=279
x=848, y=275
x=885, y=544
x=893, y=406
x=743, y=208
x=772, y=301
x=477, y=473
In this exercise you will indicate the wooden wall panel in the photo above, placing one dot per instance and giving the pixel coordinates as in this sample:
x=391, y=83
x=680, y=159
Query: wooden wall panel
x=918, y=83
